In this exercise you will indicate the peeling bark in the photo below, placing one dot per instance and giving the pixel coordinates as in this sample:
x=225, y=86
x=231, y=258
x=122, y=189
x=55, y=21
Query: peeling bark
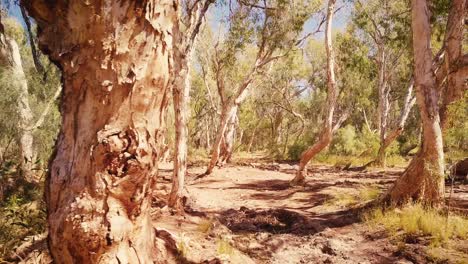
x=423, y=180
x=456, y=68
x=183, y=47
x=116, y=59
x=327, y=132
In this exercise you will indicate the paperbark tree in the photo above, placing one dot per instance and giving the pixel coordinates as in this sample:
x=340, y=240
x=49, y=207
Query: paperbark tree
x=116, y=59
x=328, y=128
x=424, y=178
x=193, y=18
x=456, y=63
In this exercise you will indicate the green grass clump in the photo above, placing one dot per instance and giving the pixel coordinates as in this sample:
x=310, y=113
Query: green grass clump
x=415, y=220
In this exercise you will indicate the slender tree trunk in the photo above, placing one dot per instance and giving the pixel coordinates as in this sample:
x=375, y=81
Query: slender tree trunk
x=229, y=137
x=35, y=55
x=327, y=133
x=11, y=59
x=424, y=178
x=410, y=100
x=383, y=105
x=226, y=114
x=181, y=89
x=116, y=59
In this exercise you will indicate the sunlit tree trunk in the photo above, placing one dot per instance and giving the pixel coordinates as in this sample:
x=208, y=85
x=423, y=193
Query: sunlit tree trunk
x=456, y=62
x=388, y=138
x=327, y=132
x=184, y=42
x=383, y=106
x=116, y=59
x=11, y=59
x=229, y=137
x=424, y=178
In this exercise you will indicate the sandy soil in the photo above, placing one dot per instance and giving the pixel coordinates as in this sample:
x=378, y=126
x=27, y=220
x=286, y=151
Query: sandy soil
x=250, y=214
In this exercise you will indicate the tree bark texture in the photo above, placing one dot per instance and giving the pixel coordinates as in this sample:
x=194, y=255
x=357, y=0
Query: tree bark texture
x=184, y=42
x=327, y=133
x=424, y=178
x=456, y=65
x=116, y=59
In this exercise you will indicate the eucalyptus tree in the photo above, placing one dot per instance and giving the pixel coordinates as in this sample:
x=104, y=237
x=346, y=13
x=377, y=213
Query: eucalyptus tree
x=273, y=27
x=191, y=16
x=116, y=59
x=12, y=62
x=386, y=23
x=329, y=125
x=423, y=179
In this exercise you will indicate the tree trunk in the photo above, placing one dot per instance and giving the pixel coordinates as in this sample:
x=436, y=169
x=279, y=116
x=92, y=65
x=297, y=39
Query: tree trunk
x=226, y=114
x=228, y=142
x=116, y=59
x=10, y=58
x=410, y=100
x=383, y=105
x=181, y=89
x=327, y=133
x=457, y=68
x=424, y=178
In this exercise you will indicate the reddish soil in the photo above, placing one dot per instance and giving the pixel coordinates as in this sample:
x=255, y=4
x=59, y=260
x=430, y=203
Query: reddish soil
x=250, y=214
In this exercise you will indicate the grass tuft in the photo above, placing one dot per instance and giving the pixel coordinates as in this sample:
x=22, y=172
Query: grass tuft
x=415, y=220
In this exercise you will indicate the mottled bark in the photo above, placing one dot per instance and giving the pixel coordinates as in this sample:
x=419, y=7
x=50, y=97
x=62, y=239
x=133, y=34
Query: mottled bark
x=424, y=178
x=10, y=58
x=383, y=105
x=183, y=47
x=228, y=140
x=116, y=59
x=456, y=68
x=327, y=132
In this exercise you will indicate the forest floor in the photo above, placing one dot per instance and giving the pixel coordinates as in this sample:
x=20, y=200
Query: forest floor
x=248, y=213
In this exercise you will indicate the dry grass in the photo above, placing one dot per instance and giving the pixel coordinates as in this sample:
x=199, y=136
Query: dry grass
x=342, y=198
x=414, y=220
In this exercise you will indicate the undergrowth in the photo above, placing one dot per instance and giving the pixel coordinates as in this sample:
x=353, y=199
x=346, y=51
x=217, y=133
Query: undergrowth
x=414, y=220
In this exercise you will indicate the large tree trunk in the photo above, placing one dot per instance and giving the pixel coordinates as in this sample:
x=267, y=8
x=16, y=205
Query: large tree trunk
x=116, y=59
x=424, y=178
x=327, y=133
x=11, y=59
x=457, y=65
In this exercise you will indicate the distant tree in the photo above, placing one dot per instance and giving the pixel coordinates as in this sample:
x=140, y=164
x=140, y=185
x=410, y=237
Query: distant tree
x=329, y=126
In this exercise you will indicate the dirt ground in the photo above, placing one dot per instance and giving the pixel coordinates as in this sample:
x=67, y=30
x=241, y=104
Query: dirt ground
x=250, y=214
